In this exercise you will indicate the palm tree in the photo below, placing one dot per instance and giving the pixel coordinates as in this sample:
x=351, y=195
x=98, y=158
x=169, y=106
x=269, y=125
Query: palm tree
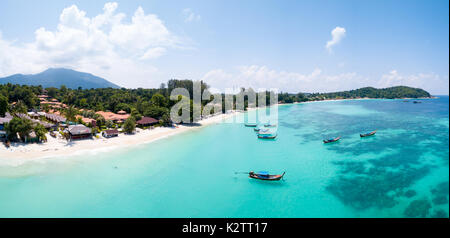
x=71, y=113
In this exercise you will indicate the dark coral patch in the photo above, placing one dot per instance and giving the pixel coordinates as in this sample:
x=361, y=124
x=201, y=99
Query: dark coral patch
x=418, y=208
x=439, y=214
x=373, y=188
x=410, y=193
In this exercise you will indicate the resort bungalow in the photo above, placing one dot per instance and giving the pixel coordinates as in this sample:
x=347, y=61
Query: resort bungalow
x=55, y=118
x=110, y=133
x=80, y=131
x=31, y=138
x=3, y=120
x=120, y=117
x=147, y=121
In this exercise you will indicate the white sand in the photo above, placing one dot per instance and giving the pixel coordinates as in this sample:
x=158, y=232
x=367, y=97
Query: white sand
x=19, y=153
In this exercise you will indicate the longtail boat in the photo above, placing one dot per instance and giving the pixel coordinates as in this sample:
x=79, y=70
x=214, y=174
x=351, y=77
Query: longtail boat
x=53, y=134
x=267, y=136
x=263, y=175
x=368, y=134
x=264, y=131
x=417, y=102
x=332, y=140
x=270, y=125
x=251, y=124
x=258, y=128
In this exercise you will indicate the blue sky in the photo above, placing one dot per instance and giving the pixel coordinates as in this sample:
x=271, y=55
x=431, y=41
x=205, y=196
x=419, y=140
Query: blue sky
x=259, y=44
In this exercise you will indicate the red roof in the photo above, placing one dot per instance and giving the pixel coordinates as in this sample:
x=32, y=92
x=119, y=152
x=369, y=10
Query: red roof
x=112, y=116
x=147, y=120
x=113, y=131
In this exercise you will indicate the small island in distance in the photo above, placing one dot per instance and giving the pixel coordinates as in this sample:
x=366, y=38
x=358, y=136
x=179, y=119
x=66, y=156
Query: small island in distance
x=398, y=92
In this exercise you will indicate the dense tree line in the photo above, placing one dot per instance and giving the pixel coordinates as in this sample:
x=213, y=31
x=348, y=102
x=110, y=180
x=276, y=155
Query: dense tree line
x=156, y=102
x=367, y=92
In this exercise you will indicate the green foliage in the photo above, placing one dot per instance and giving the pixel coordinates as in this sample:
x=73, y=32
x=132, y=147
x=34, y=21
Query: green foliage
x=165, y=120
x=130, y=125
x=135, y=114
x=18, y=126
x=109, y=124
x=71, y=113
x=158, y=100
x=368, y=92
x=40, y=132
x=99, y=119
x=3, y=105
x=155, y=111
x=46, y=108
x=20, y=107
x=52, y=92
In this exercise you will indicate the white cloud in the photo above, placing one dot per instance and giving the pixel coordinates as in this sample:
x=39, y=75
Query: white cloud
x=430, y=82
x=337, y=34
x=154, y=53
x=258, y=77
x=103, y=45
x=190, y=16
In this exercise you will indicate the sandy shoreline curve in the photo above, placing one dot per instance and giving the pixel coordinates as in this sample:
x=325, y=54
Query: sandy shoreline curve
x=20, y=153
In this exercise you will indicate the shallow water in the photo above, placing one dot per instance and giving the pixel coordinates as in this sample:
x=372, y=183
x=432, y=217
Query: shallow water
x=402, y=171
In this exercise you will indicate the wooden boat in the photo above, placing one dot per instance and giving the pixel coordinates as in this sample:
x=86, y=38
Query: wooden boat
x=270, y=125
x=263, y=175
x=264, y=131
x=267, y=136
x=417, y=102
x=53, y=134
x=368, y=134
x=332, y=140
x=251, y=124
x=259, y=128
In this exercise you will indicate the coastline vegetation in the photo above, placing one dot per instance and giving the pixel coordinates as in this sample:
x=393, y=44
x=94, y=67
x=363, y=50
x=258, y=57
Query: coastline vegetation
x=155, y=103
x=397, y=92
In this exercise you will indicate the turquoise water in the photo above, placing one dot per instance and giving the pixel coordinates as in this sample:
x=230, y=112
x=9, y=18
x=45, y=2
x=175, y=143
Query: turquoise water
x=402, y=171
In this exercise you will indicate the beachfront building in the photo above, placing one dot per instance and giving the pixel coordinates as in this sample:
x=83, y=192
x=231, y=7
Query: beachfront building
x=55, y=118
x=3, y=120
x=79, y=131
x=147, y=121
x=88, y=121
x=114, y=117
x=31, y=138
x=110, y=133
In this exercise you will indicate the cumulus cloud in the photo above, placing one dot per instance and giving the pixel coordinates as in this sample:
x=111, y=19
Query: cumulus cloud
x=190, y=16
x=430, y=82
x=104, y=45
x=261, y=77
x=337, y=34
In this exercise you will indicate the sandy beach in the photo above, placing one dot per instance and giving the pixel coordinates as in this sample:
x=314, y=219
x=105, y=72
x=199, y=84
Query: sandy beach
x=20, y=153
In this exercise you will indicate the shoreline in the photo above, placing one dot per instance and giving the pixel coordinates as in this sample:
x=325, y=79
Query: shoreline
x=21, y=153
x=351, y=99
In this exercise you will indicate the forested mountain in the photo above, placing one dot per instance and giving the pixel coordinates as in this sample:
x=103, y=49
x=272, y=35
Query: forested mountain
x=56, y=77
